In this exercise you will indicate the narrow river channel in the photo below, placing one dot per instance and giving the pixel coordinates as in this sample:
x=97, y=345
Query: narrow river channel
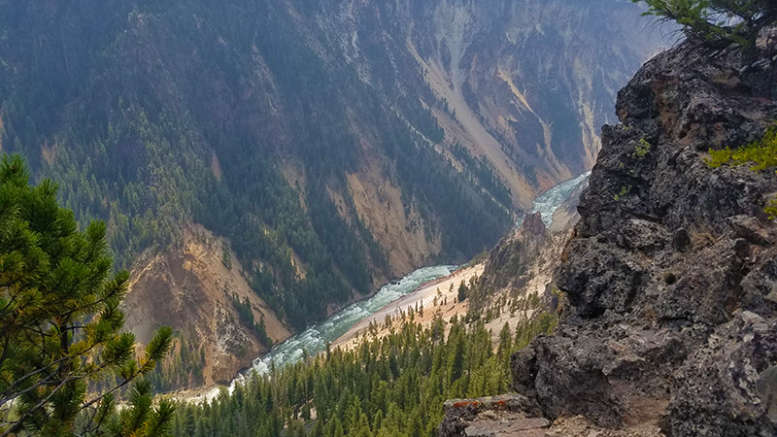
x=314, y=339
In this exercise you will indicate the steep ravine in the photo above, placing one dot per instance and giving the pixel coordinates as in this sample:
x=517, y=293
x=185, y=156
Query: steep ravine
x=671, y=274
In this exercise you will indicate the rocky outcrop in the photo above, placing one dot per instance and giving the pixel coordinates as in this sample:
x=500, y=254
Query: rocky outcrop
x=671, y=274
x=566, y=216
x=517, y=416
x=492, y=417
x=671, y=269
x=508, y=263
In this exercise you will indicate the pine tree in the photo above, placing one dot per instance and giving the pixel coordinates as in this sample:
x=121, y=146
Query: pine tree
x=456, y=358
x=60, y=322
x=717, y=20
x=390, y=386
x=505, y=346
x=463, y=292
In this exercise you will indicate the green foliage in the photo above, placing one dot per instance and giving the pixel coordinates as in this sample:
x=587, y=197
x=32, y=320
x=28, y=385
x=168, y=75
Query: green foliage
x=226, y=257
x=478, y=170
x=389, y=386
x=717, y=20
x=771, y=209
x=642, y=148
x=142, y=418
x=182, y=367
x=625, y=190
x=60, y=323
x=246, y=315
x=762, y=153
x=463, y=292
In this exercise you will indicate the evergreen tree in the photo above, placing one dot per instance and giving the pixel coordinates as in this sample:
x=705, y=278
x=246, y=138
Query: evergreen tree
x=505, y=344
x=389, y=386
x=60, y=322
x=463, y=292
x=456, y=359
x=717, y=20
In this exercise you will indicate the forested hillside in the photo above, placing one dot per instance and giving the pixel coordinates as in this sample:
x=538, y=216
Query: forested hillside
x=320, y=148
x=390, y=386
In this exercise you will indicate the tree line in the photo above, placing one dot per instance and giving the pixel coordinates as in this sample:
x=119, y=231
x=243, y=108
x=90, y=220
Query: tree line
x=392, y=385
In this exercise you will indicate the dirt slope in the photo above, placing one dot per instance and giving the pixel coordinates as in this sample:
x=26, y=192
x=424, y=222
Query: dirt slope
x=189, y=288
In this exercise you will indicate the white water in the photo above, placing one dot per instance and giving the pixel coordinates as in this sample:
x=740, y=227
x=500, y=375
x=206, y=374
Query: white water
x=314, y=339
x=548, y=202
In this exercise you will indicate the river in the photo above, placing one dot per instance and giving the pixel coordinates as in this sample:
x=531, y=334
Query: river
x=548, y=202
x=314, y=339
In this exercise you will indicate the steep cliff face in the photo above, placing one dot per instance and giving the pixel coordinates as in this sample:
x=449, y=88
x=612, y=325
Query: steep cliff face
x=672, y=272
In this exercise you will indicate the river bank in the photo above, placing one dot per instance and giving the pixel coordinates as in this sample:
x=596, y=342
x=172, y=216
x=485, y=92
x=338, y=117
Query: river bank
x=438, y=297
x=315, y=339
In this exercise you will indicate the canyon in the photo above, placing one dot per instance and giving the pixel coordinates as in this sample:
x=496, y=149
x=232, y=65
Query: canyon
x=321, y=150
